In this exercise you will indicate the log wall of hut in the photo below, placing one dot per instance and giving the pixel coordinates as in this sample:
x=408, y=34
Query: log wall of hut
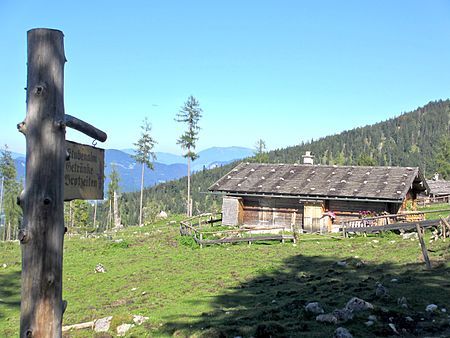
x=346, y=210
x=272, y=212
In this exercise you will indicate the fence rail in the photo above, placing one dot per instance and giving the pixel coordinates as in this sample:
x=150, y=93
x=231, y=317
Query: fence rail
x=428, y=201
x=199, y=226
x=404, y=221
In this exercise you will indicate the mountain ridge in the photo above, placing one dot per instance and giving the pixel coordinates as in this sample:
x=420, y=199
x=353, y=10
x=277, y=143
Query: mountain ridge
x=410, y=139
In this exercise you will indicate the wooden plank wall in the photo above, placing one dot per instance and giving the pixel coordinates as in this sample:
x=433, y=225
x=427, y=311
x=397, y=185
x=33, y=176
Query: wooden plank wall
x=232, y=210
x=272, y=212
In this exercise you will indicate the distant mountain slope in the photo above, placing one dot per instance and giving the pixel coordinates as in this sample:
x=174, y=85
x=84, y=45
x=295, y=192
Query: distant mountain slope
x=130, y=171
x=167, y=167
x=410, y=139
x=208, y=158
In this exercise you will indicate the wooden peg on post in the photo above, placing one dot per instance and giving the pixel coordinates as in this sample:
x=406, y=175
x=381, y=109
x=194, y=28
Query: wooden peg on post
x=42, y=232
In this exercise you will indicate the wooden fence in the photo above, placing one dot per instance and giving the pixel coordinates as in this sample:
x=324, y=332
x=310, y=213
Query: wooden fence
x=403, y=221
x=201, y=226
x=429, y=201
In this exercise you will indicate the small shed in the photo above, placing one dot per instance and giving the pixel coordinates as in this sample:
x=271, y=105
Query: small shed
x=312, y=197
x=439, y=189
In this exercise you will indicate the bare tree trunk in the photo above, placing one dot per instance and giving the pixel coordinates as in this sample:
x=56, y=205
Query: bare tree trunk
x=142, y=195
x=71, y=215
x=108, y=224
x=42, y=232
x=95, y=214
x=116, y=211
x=8, y=231
x=189, y=203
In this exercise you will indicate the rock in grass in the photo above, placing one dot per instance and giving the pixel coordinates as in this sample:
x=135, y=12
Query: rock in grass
x=393, y=328
x=357, y=304
x=403, y=302
x=99, y=268
x=343, y=315
x=102, y=324
x=139, y=320
x=342, y=332
x=314, y=307
x=431, y=308
x=381, y=291
x=327, y=318
x=123, y=329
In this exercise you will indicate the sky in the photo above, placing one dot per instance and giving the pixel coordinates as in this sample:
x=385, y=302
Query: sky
x=283, y=71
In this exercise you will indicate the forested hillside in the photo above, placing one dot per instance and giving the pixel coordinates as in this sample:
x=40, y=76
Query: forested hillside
x=418, y=138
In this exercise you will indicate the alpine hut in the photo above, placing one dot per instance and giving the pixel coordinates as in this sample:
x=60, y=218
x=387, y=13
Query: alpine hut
x=312, y=197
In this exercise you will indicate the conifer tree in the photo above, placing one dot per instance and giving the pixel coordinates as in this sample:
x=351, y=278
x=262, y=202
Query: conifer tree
x=11, y=189
x=261, y=151
x=145, y=156
x=190, y=114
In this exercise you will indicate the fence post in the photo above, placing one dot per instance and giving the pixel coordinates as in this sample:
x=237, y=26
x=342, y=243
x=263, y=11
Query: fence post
x=42, y=232
x=423, y=247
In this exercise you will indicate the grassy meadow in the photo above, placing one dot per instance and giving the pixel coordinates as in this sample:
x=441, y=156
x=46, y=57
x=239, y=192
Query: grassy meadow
x=256, y=290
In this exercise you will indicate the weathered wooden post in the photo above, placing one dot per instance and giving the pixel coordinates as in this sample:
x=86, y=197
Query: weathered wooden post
x=42, y=232
x=42, y=201
x=423, y=247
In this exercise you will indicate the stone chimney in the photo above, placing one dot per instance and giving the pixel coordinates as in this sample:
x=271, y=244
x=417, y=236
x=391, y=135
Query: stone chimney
x=308, y=158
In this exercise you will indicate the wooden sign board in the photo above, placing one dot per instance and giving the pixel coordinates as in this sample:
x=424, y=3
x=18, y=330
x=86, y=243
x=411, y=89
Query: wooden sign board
x=84, y=172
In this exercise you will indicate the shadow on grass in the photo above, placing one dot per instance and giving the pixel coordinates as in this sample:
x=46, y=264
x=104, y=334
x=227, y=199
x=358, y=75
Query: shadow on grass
x=9, y=292
x=272, y=304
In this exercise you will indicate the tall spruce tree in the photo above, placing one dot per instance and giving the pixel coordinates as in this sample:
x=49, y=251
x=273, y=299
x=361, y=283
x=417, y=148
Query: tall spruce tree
x=261, y=151
x=190, y=113
x=11, y=189
x=144, y=154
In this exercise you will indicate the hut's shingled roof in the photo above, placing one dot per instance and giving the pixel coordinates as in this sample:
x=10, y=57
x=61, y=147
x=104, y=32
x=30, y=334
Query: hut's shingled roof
x=386, y=183
x=439, y=187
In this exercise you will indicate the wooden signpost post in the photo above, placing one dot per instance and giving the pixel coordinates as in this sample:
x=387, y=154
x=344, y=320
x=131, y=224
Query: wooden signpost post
x=42, y=231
